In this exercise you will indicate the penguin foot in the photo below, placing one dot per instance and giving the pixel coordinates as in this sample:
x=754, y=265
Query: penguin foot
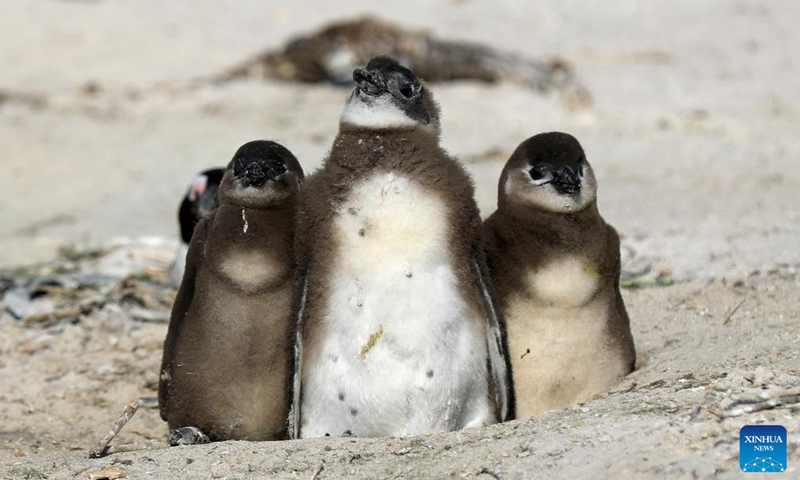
x=187, y=436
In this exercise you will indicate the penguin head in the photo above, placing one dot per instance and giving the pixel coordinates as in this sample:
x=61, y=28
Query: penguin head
x=388, y=96
x=203, y=192
x=261, y=174
x=549, y=172
x=200, y=201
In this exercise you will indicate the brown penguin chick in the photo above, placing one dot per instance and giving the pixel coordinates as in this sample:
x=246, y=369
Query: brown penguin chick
x=555, y=266
x=227, y=367
x=398, y=332
x=331, y=53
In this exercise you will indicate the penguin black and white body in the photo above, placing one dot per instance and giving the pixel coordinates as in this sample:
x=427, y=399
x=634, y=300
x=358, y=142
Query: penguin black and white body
x=398, y=333
x=228, y=357
x=199, y=202
x=555, y=267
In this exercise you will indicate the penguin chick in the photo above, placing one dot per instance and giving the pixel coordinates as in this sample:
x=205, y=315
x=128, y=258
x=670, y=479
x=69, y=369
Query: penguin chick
x=331, y=53
x=555, y=266
x=227, y=363
x=200, y=200
x=398, y=333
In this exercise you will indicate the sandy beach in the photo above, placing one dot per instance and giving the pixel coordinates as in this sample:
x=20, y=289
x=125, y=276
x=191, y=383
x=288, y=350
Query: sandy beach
x=692, y=135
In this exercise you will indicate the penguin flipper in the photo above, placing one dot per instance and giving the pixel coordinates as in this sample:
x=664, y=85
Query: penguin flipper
x=498, y=354
x=294, y=416
x=302, y=252
x=180, y=307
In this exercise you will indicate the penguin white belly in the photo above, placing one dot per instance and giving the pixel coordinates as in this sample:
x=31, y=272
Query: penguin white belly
x=251, y=270
x=558, y=338
x=400, y=354
x=569, y=281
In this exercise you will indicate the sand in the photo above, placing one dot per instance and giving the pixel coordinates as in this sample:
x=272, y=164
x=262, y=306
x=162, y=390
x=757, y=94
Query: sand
x=693, y=137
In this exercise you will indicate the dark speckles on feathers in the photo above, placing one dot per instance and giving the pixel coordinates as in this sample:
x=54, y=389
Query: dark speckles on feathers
x=429, y=374
x=341, y=397
x=353, y=411
x=413, y=154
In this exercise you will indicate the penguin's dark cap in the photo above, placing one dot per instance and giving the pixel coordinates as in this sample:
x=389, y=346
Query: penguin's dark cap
x=385, y=75
x=255, y=172
x=257, y=162
x=557, y=159
x=261, y=172
x=548, y=172
x=388, y=95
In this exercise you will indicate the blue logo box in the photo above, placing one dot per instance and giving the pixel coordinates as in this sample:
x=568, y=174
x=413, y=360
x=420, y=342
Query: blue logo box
x=762, y=448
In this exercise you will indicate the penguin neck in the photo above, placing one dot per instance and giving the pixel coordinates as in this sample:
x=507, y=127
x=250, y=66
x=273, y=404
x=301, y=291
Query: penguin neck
x=267, y=213
x=566, y=230
x=249, y=226
x=359, y=148
x=251, y=249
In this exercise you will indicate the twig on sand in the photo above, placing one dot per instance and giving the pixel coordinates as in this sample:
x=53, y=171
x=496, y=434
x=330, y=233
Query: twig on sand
x=102, y=448
x=744, y=404
x=127, y=447
x=317, y=471
x=730, y=315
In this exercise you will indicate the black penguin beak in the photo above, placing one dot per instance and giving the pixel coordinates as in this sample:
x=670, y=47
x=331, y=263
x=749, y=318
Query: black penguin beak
x=567, y=181
x=371, y=83
x=255, y=172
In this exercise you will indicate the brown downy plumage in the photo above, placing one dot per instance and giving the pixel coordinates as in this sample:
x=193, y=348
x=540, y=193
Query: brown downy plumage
x=228, y=362
x=555, y=265
x=387, y=156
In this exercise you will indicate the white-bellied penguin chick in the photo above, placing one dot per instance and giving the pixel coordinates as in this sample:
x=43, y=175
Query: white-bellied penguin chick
x=555, y=266
x=399, y=335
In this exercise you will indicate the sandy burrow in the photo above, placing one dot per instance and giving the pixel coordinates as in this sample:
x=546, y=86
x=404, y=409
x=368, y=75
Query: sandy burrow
x=64, y=385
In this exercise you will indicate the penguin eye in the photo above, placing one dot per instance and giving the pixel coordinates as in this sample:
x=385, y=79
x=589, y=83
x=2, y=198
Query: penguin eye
x=541, y=174
x=407, y=91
